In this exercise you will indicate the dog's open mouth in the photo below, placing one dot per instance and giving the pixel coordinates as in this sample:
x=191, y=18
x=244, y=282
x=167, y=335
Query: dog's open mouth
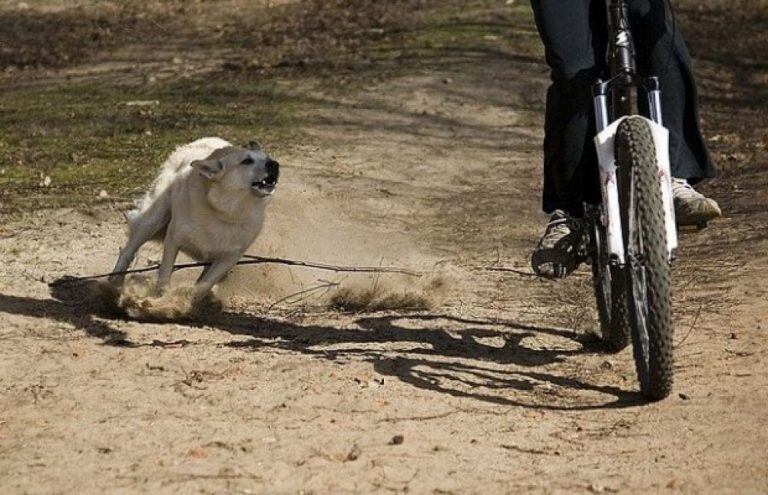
x=265, y=186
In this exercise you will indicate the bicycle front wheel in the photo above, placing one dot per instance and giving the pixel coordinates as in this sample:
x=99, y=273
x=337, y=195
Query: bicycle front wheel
x=647, y=269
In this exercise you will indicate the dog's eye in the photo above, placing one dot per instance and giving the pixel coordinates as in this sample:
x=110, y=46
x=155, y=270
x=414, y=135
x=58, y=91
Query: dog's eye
x=247, y=161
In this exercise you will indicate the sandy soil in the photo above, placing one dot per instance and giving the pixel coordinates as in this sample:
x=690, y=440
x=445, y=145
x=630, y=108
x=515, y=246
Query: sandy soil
x=497, y=388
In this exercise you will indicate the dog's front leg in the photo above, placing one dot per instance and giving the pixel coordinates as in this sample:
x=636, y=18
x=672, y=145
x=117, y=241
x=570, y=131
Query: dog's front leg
x=215, y=273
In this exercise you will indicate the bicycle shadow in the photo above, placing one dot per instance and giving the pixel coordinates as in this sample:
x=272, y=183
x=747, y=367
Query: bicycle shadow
x=445, y=355
x=480, y=359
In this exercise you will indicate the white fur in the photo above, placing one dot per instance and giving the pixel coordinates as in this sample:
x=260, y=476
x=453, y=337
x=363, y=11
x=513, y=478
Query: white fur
x=176, y=166
x=212, y=217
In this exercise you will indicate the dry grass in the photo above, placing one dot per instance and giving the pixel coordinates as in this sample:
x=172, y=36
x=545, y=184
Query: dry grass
x=391, y=294
x=376, y=299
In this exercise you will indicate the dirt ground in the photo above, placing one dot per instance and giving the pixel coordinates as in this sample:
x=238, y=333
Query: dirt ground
x=422, y=150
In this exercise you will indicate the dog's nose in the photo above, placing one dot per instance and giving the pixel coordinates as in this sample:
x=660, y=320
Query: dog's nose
x=273, y=168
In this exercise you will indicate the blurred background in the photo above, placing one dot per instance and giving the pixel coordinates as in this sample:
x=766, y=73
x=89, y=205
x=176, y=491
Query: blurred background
x=94, y=93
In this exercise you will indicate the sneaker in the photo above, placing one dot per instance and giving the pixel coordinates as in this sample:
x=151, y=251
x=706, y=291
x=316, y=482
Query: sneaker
x=558, y=253
x=692, y=207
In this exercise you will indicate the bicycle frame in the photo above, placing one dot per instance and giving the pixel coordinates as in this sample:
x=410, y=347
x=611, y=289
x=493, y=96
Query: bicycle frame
x=622, y=87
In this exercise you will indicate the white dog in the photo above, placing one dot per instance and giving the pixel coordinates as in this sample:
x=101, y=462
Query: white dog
x=208, y=201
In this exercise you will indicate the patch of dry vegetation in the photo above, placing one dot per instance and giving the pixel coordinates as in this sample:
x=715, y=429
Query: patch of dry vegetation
x=376, y=298
x=387, y=293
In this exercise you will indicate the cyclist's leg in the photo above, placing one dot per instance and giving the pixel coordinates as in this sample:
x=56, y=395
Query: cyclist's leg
x=573, y=34
x=662, y=51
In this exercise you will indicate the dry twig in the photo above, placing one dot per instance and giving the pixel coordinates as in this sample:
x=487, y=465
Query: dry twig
x=306, y=293
x=693, y=325
x=250, y=260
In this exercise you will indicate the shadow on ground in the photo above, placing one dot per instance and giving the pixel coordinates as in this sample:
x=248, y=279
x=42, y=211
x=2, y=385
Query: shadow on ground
x=434, y=352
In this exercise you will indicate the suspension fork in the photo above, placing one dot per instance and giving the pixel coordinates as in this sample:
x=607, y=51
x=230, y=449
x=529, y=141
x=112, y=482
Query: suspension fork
x=653, y=93
x=611, y=210
x=622, y=88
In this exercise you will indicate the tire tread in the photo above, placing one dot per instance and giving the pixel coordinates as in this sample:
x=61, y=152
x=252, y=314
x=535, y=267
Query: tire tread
x=636, y=154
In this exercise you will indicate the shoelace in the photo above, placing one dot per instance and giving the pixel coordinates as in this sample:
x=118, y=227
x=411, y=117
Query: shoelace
x=681, y=189
x=559, y=226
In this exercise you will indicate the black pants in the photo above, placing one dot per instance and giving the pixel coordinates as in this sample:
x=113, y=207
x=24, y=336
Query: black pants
x=574, y=33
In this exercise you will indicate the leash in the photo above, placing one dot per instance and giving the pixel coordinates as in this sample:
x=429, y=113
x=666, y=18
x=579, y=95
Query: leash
x=250, y=260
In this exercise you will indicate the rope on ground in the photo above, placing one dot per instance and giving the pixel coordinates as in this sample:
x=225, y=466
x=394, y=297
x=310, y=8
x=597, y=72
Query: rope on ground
x=250, y=260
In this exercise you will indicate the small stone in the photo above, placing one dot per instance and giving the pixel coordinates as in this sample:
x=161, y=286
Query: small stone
x=197, y=453
x=447, y=80
x=397, y=440
x=103, y=194
x=354, y=453
x=606, y=365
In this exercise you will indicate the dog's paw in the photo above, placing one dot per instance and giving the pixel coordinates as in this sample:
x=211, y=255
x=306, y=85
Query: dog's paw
x=183, y=303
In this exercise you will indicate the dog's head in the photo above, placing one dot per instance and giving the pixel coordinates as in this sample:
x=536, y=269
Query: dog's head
x=236, y=168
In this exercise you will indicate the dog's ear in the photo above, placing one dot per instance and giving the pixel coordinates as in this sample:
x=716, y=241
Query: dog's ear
x=253, y=146
x=210, y=169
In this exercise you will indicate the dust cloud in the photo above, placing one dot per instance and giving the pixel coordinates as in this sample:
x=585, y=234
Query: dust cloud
x=303, y=226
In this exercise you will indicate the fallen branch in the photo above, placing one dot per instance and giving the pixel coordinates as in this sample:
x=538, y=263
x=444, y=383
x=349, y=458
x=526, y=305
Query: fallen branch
x=333, y=268
x=251, y=260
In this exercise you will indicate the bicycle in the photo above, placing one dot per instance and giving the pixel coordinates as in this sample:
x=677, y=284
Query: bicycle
x=632, y=235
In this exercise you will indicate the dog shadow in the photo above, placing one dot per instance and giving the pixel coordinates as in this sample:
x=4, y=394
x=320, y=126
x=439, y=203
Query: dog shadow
x=480, y=359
